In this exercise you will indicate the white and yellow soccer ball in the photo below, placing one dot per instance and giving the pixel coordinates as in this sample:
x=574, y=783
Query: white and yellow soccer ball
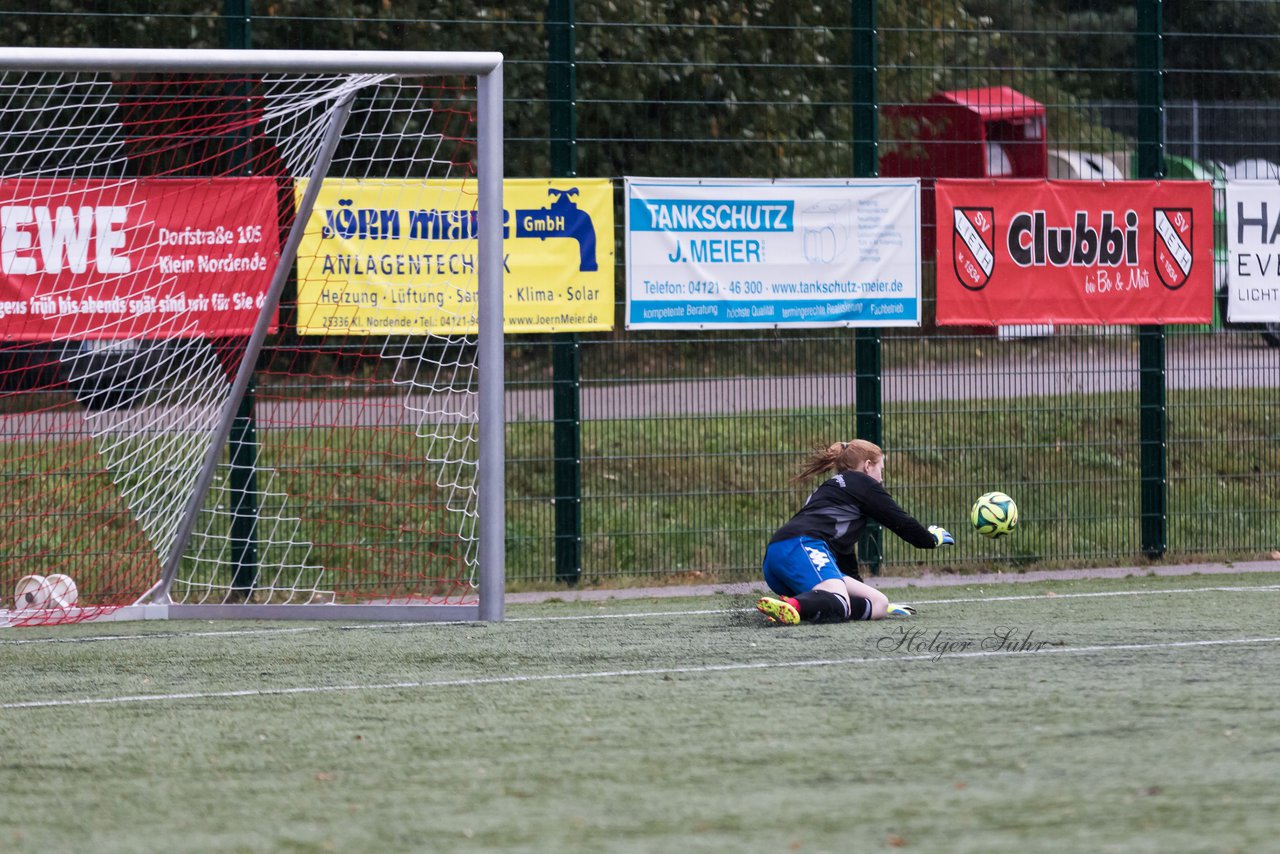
x=994, y=514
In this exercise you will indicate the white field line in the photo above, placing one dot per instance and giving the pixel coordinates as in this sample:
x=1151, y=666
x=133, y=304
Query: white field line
x=619, y=674
x=229, y=633
x=1269, y=588
x=282, y=630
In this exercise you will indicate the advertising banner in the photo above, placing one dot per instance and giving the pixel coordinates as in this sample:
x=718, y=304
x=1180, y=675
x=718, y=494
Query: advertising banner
x=1084, y=252
x=398, y=257
x=152, y=257
x=1253, y=252
x=708, y=253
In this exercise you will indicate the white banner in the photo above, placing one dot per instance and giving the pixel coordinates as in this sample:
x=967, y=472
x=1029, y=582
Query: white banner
x=704, y=253
x=1253, y=251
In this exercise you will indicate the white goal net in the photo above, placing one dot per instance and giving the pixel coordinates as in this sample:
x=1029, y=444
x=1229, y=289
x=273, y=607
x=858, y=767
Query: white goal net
x=245, y=300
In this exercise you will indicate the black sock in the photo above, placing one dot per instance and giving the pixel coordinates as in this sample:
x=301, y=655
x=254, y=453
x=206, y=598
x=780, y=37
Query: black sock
x=859, y=608
x=819, y=606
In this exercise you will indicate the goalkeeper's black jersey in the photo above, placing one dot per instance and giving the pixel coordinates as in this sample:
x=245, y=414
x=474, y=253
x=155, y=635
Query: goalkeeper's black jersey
x=837, y=513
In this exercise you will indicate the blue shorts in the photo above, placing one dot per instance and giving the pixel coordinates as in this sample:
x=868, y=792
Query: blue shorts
x=798, y=565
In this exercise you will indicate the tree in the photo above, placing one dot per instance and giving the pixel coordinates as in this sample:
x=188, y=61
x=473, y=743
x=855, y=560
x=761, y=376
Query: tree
x=735, y=88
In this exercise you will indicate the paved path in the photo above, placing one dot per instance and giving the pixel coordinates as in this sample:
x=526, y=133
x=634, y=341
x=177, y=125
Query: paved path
x=996, y=370
x=1002, y=370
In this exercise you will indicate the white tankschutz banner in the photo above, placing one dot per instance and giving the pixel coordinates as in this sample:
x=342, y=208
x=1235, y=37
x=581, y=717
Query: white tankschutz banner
x=739, y=253
x=1253, y=251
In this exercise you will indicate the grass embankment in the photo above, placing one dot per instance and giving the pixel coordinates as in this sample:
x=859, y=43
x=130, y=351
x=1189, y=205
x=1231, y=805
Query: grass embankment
x=694, y=498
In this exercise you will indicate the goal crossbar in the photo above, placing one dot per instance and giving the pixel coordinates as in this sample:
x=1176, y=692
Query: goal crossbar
x=473, y=63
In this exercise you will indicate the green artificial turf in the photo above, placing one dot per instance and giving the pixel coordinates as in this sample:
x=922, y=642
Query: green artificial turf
x=1053, y=722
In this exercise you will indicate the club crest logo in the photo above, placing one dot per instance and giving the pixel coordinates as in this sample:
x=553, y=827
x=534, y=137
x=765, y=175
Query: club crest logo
x=1173, y=246
x=973, y=246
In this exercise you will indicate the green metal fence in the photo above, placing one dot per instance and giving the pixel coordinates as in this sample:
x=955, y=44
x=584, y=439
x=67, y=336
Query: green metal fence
x=649, y=455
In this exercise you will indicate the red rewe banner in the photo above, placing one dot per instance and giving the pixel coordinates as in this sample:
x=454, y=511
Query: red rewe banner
x=1123, y=252
x=130, y=258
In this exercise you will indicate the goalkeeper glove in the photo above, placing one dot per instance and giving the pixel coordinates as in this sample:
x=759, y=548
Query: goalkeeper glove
x=941, y=536
x=900, y=611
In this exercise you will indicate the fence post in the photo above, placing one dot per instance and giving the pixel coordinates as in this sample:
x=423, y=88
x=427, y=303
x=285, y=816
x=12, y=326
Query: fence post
x=242, y=489
x=242, y=477
x=1152, y=421
x=237, y=24
x=566, y=362
x=866, y=341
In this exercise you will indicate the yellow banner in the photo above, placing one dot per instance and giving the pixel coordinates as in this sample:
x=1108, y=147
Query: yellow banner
x=398, y=257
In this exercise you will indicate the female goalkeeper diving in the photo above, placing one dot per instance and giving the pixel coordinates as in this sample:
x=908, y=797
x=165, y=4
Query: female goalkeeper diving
x=812, y=563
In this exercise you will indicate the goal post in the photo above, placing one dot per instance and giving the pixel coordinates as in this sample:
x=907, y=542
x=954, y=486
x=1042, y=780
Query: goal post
x=251, y=346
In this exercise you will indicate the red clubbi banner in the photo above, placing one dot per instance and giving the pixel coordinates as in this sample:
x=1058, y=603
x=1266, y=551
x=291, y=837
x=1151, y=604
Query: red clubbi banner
x=124, y=258
x=1123, y=252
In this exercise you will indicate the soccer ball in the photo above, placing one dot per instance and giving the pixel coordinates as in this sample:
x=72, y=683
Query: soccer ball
x=62, y=590
x=994, y=514
x=32, y=592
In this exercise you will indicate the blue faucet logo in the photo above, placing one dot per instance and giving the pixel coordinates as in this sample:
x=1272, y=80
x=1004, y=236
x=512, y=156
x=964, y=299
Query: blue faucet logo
x=562, y=218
